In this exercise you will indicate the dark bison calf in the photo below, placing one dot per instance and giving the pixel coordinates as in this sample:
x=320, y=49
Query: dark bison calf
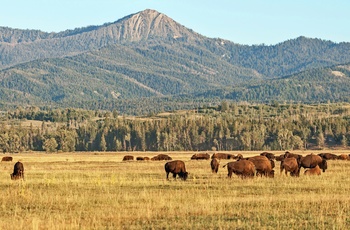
x=176, y=167
x=18, y=171
x=7, y=159
x=214, y=164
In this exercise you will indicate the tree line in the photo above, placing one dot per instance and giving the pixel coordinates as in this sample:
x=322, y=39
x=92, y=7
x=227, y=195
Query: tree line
x=228, y=126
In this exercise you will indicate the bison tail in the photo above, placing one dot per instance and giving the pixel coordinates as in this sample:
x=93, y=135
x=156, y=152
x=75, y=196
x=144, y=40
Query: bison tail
x=224, y=166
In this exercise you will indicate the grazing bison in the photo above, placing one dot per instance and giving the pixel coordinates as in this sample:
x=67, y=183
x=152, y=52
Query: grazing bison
x=128, y=158
x=176, y=167
x=200, y=156
x=18, y=171
x=142, y=158
x=312, y=160
x=242, y=168
x=313, y=171
x=7, y=159
x=161, y=157
x=291, y=165
x=263, y=165
x=328, y=156
x=214, y=164
x=343, y=157
x=224, y=156
x=270, y=156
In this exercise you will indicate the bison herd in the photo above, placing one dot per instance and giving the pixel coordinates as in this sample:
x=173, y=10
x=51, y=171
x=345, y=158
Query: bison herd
x=260, y=165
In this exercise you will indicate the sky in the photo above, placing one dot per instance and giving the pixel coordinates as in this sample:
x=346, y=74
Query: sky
x=248, y=22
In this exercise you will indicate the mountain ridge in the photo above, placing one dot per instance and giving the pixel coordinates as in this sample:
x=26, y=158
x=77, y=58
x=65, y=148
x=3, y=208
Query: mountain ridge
x=148, y=54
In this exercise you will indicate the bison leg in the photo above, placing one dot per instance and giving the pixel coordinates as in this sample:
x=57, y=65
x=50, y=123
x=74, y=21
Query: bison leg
x=229, y=173
x=281, y=169
x=167, y=175
x=174, y=175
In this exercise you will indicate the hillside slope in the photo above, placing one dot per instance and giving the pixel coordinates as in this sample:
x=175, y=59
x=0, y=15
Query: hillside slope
x=149, y=55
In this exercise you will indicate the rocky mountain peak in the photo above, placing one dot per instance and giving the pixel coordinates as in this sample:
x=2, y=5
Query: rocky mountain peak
x=149, y=24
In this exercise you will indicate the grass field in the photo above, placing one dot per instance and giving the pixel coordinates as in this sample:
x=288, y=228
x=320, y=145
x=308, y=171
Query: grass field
x=99, y=191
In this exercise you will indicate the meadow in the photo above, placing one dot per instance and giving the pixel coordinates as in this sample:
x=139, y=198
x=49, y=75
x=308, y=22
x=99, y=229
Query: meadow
x=97, y=190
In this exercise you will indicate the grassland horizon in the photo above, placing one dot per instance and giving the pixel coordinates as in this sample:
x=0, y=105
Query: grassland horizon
x=97, y=190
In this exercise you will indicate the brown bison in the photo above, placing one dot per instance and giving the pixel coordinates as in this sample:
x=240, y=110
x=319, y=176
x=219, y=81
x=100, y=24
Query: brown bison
x=279, y=158
x=142, y=158
x=289, y=155
x=328, y=156
x=18, y=171
x=200, y=156
x=312, y=160
x=224, y=156
x=291, y=165
x=176, y=167
x=161, y=157
x=128, y=158
x=343, y=157
x=7, y=158
x=263, y=165
x=313, y=171
x=242, y=168
x=214, y=164
x=270, y=156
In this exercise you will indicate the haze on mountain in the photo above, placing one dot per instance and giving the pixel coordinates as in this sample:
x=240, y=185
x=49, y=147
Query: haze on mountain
x=147, y=56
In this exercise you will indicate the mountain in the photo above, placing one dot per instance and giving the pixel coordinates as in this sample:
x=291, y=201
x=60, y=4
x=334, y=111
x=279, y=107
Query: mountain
x=309, y=86
x=149, y=55
x=18, y=46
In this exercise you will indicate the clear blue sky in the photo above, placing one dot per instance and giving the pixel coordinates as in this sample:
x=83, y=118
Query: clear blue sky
x=240, y=21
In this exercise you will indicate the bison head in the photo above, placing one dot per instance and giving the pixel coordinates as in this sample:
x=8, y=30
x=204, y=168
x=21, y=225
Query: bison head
x=183, y=175
x=14, y=176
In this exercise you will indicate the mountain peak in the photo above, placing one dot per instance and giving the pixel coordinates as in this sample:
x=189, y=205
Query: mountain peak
x=150, y=24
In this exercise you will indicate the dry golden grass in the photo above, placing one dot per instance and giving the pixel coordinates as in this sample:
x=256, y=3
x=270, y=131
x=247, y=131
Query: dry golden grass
x=99, y=191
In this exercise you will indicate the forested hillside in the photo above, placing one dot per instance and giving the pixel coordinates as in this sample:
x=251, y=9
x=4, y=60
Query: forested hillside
x=230, y=126
x=147, y=63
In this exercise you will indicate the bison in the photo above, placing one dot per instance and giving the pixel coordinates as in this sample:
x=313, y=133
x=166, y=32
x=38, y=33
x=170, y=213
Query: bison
x=214, y=164
x=128, y=158
x=328, y=156
x=224, y=156
x=343, y=157
x=18, y=171
x=176, y=167
x=312, y=160
x=263, y=165
x=7, y=158
x=200, y=156
x=161, y=157
x=242, y=168
x=313, y=171
x=291, y=165
x=289, y=155
x=279, y=158
x=270, y=156
x=142, y=158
